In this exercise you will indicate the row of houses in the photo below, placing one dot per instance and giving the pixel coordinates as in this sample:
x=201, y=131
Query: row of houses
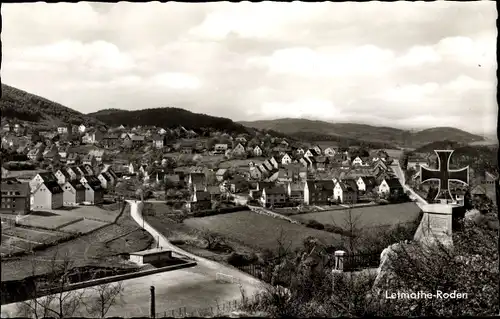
x=68, y=186
x=323, y=192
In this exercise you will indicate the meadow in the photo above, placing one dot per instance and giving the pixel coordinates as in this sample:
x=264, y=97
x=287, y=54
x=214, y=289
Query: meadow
x=259, y=231
x=373, y=216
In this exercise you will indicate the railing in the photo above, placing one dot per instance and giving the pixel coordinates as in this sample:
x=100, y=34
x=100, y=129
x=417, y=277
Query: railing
x=220, y=309
x=361, y=261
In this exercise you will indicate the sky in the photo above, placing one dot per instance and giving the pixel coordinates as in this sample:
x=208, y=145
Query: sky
x=407, y=64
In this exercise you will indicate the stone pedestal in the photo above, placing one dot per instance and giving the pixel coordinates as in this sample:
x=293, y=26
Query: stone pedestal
x=436, y=224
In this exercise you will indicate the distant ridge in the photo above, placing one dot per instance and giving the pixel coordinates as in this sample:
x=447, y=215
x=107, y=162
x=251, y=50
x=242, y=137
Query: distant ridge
x=365, y=132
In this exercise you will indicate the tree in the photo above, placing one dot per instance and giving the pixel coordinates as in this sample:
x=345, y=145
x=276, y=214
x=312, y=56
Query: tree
x=106, y=296
x=59, y=304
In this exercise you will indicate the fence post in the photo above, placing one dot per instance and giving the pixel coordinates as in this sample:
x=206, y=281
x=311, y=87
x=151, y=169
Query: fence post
x=152, y=289
x=339, y=260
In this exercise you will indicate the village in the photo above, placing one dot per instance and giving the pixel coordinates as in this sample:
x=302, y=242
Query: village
x=268, y=171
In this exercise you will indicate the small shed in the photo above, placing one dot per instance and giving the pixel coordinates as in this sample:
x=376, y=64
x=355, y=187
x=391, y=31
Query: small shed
x=150, y=256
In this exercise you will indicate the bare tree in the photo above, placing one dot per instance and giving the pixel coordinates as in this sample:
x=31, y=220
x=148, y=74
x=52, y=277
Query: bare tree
x=55, y=301
x=351, y=230
x=105, y=296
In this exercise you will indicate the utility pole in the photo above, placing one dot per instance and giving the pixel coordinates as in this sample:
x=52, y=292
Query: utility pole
x=153, y=313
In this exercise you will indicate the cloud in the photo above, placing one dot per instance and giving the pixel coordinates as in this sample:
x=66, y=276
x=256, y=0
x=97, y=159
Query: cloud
x=364, y=60
x=378, y=63
x=176, y=81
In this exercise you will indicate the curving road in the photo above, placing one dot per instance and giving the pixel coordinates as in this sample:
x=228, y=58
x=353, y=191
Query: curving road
x=401, y=176
x=193, y=288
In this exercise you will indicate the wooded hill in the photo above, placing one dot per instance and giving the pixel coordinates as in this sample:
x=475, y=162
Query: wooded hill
x=19, y=105
x=321, y=130
x=167, y=117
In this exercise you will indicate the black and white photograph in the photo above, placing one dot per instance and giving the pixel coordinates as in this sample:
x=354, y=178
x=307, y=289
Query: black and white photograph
x=240, y=159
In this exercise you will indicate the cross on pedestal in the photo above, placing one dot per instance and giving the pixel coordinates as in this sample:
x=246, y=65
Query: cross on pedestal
x=444, y=174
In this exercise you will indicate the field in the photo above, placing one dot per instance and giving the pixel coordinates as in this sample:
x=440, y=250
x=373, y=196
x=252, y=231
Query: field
x=367, y=216
x=83, y=226
x=259, y=231
x=395, y=154
x=241, y=162
x=48, y=220
x=100, y=248
x=34, y=235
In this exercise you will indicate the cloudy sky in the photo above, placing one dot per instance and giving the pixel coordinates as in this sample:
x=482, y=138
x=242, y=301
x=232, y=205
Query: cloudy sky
x=406, y=64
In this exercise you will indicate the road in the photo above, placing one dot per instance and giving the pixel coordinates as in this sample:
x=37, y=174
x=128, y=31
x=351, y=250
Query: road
x=193, y=288
x=401, y=176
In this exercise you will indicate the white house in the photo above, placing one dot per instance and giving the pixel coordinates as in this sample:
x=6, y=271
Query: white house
x=257, y=151
x=344, y=193
x=309, y=153
x=366, y=183
x=329, y=151
x=286, y=159
x=390, y=186
x=357, y=161
x=82, y=128
x=272, y=196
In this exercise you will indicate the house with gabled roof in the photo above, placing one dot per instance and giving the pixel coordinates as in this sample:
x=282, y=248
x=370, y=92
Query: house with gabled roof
x=73, y=193
x=106, y=180
x=311, y=152
x=274, y=196
x=257, y=151
x=345, y=193
x=47, y=195
x=286, y=159
x=62, y=176
x=94, y=192
x=366, y=183
x=318, y=192
x=391, y=187
x=221, y=174
x=239, y=150
x=197, y=180
x=329, y=151
x=200, y=200
x=40, y=178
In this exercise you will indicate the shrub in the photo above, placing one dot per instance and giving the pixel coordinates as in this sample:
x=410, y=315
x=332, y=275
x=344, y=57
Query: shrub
x=315, y=224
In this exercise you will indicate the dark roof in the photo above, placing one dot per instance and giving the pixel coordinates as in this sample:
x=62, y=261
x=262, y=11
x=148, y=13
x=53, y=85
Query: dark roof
x=202, y=195
x=393, y=183
x=347, y=186
x=95, y=187
x=53, y=187
x=318, y=185
x=350, y=183
x=48, y=176
x=107, y=176
x=263, y=185
x=369, y=180
x=65, y=173
x=76, y=184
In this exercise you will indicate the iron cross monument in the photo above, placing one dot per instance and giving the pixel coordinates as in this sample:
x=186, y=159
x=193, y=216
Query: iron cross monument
x=444, y=174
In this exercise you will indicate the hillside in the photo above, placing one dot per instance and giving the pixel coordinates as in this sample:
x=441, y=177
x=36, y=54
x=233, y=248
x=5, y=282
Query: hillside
x=167, y=117
x=364, y=132
x=20, y=105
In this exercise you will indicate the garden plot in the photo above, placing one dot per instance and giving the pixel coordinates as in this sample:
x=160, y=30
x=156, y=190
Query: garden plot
x=83, y=226
x=48, y=220
x=39, y=236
